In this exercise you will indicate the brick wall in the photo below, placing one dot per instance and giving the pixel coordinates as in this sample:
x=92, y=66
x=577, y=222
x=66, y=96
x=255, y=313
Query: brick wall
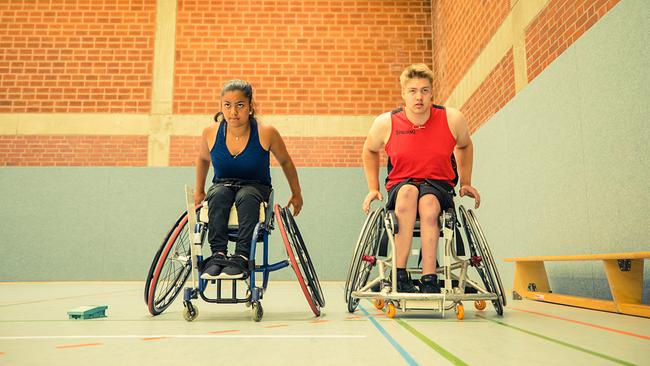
x=495, y=91
x=306, y=57
x=302, y=57
x=461, y=29
x=560, y=24
x=73, y=150
x=76, y=55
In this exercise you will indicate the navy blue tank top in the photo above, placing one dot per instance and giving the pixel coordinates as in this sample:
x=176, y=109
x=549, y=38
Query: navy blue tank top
x=252, y=163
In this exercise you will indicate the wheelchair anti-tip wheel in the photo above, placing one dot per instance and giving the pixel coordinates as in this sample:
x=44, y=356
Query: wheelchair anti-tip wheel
x=361, y=264
x=486, y=267
x=300, y=260
x=170, y=268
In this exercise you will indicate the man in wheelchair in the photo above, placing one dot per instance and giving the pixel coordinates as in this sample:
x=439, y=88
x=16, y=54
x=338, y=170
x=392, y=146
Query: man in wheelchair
x=423, y=142
x=238, y=147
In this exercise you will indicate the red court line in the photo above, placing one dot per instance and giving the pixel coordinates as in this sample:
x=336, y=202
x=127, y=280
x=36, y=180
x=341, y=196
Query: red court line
x=78, y=345
x=224, y=331
x=276, y=326
x=352, y=317
x=154, y=338
x=2, y=353
x=319, y=321
x=584, y=323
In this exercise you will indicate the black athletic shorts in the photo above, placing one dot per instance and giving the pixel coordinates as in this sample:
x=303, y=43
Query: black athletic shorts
x=441, y=189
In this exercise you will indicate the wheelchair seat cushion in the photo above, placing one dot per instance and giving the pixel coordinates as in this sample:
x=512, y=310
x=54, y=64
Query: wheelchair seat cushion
x=443, y=192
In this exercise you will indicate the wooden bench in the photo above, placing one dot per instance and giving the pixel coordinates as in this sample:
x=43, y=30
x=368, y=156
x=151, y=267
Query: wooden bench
x=624, y=274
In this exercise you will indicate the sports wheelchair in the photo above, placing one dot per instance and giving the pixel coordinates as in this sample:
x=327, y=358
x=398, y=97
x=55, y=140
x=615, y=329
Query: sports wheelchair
x=180, y=256
x=371, y=251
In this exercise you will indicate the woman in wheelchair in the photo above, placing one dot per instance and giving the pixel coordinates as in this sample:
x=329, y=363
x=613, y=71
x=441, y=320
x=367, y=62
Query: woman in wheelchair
x=422, y=140
x=238, y=147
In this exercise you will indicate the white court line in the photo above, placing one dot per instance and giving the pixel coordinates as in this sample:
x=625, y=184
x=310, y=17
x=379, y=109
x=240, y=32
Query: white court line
x=333, y=336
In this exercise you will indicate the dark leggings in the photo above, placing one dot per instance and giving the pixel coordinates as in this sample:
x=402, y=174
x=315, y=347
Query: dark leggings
x=247, y=198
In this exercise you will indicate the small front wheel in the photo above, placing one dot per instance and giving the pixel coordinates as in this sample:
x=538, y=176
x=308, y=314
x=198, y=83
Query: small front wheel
x=258, y=312
x=480, y=304
x=460, y=311
x=190, y=312
x=379, y=304
x=391, y=310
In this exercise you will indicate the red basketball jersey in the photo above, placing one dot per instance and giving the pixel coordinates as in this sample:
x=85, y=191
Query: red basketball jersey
x=420, y=152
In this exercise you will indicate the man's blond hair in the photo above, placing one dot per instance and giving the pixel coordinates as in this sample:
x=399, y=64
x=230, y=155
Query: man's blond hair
x=416, y=71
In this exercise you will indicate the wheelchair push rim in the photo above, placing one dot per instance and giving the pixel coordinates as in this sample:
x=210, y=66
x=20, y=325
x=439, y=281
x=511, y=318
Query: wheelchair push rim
x=486, y=269
x=367, y=245
x=170, y=269
x=357, y=248
x=299, y=259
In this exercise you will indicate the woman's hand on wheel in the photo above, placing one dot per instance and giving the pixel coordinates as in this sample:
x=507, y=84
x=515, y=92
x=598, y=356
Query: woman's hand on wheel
x=198, y=197
x=472, y=192
x=371, y=196
x=296, y=202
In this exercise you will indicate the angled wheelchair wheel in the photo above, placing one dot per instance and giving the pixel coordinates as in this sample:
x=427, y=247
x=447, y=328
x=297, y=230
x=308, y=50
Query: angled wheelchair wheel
x=299, y=258
x=486, y=268
x=367, y=246
x=170, y=268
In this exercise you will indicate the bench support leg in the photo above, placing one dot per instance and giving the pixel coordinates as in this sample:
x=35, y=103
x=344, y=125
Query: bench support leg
x=531, y=277
x=627, y=286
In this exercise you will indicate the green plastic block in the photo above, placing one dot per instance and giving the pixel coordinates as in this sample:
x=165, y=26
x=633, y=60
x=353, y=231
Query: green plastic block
x=88, y=312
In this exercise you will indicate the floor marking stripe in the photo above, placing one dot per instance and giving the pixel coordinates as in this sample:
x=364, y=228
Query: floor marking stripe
x=319, y=321
x=276, y=326
x=78, y=345
x=154, y=338
x=584, y=323
x=429, y=342
x=390, y=339
x=562, y=343
x=224, y=331
x=140, y=336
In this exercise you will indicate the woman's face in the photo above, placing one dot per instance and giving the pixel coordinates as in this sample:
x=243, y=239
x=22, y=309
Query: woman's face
x=417, y=95
x=235, y=107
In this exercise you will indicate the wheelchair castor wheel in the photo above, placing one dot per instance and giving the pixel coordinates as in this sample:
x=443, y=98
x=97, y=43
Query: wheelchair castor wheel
x=190, y=312
x=460, y=311
x=480, y=304
x=379, y=304
x=390, y=310
x=258, y=312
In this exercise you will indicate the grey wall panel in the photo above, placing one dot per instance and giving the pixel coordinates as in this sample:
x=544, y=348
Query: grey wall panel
x=571, y=153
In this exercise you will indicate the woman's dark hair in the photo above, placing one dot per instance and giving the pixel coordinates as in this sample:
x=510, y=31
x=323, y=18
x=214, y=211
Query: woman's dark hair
x=242, y=86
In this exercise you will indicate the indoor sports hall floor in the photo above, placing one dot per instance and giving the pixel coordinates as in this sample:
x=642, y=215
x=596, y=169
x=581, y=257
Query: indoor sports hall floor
x=34, y=330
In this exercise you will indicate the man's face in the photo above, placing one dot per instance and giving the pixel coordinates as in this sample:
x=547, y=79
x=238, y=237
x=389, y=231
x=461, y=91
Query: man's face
x=417, y=95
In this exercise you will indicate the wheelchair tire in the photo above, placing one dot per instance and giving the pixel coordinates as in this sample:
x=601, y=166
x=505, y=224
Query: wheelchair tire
x=367, y=245
x=487, y=268
x=170, y=268
x=299, y=258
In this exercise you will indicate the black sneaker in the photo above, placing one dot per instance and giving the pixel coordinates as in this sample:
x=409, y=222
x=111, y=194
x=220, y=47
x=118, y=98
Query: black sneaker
x=212, y=269
x=404, y=283
x=238, y=268
x=429, y=284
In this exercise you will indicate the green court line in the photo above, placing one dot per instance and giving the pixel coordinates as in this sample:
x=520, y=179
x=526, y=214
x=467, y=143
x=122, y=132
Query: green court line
x=429, y=342
x=569, y=345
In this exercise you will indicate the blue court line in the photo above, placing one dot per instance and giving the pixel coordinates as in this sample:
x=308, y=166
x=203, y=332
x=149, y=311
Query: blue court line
x=390, y=339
